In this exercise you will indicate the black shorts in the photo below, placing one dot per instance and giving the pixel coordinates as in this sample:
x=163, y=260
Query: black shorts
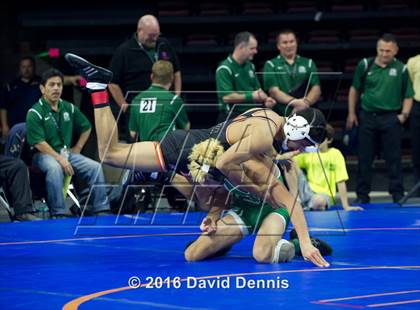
x=176, y=147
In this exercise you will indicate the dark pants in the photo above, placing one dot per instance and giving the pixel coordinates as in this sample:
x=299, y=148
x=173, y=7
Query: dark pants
x=415, y=140
x=15, y=181
x=386, y=129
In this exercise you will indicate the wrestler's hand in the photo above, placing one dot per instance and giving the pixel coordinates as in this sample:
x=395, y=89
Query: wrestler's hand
x=208, y=225
x=287, y=156
x=286, y=159
x=309, y=252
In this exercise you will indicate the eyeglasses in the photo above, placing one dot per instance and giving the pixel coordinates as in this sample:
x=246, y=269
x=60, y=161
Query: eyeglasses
x=153, y=35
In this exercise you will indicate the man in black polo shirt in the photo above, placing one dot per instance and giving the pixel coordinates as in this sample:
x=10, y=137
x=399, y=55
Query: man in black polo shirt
x=132, y=62
x=386, y=97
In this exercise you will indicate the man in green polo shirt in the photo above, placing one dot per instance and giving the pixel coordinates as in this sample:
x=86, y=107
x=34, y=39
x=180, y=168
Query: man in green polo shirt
x=238, y=88
x=383, y=84
x=289, y=78
x=413, y=66
x=51, y=123
x=156, y=111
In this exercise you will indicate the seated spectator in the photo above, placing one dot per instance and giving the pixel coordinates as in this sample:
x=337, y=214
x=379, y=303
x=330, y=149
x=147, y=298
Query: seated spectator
x=325, y=171
x=156, y=110
x=19, y=96
x=14, y=179
x=51, y=123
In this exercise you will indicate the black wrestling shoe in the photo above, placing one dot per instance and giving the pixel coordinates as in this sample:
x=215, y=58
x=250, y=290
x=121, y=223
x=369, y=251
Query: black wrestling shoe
x=293, y=234
x=324, y=248
x=90, y=72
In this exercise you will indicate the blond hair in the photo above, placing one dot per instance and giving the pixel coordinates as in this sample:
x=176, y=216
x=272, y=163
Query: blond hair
x=162, y=72
x=204, y=156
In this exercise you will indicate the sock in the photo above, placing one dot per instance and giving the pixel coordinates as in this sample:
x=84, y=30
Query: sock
x=281, y=257
x=100, y=99
x=95, y=86
x=297, y=246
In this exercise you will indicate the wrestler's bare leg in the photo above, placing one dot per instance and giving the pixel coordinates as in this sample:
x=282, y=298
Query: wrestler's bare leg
x=228, y=233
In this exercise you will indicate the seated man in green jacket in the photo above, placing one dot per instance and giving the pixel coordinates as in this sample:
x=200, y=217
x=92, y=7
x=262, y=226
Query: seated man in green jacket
x=51, y=123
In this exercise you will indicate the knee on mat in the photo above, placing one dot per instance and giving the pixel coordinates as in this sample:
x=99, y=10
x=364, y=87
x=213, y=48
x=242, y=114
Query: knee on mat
x=262, y=253
x=190, y=253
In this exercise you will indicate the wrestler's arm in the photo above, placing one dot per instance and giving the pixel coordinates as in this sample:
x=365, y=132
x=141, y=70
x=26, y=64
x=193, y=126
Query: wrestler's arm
x=253, y=143
x=210, y=197
x=206, y=195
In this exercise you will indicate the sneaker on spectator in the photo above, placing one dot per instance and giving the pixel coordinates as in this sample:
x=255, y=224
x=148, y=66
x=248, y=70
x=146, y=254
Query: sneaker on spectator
x=103, y=213
x=27, y=217
x=396, y=198
x=59, y=216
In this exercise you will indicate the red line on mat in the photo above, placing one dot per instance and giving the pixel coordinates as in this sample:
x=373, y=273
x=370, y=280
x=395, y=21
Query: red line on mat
x=171, y=234
x=394, y=303
x=96, y=238
x=370, y=296
x=338, y=305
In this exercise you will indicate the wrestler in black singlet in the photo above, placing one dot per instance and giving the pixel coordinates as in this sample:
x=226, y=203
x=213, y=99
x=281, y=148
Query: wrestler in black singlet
x=176, y=145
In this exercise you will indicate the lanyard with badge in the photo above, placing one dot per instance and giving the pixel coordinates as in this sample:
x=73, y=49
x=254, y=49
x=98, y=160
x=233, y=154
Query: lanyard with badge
x=64, y=151
x=291, y=73
x=153, y=58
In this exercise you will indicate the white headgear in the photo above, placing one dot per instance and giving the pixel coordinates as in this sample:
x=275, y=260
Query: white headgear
x=296, y=128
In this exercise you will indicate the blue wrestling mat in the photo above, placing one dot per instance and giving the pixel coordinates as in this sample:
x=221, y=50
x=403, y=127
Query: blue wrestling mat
x=90, y=264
